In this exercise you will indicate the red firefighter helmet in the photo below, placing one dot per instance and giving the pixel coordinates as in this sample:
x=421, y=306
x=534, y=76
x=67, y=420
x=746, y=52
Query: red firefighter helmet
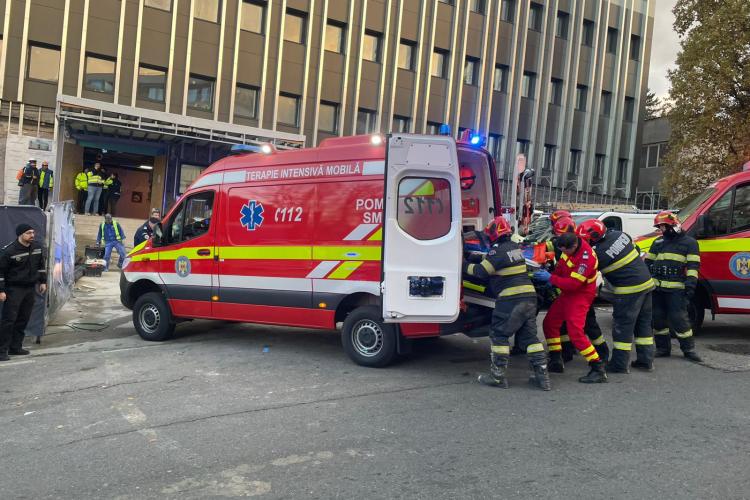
x=564, y=225
x=591, y=230
x=497, y=227
x=467, y=177
x=559, y=214
x=666, y=217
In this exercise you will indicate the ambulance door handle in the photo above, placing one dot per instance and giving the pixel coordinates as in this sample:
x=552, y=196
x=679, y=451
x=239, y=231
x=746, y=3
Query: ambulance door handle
x=204, y=252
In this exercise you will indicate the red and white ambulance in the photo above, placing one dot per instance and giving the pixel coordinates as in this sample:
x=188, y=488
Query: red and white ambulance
x=362, y=233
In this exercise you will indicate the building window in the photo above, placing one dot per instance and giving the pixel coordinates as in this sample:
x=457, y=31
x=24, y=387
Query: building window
x=477, y=6
x=495, y=145
x=524, y=146
x=612, y=35
x=563, y=21
x=100, y=74
x=556, y=92
x=201, y=93
x=439, y=63
x=575, y=162
x=328, y=117
x=371, y=46
x=587, y=38
x=606, y=103
x=159, y=4
x=406, y=50
x=471, y=69
x=622, y=170
x=550, y=152
x=599, y=167
x=629, y=109
x=288, y=113
x=246, y=101
x=500, y=82
x=654, y=154
x=446, y=2
x=401, y=123
x=294, y=26
x=253, y=16
x=582, y=94
x=44, y=63
x=152, y=83
x=508, y=11
x=208, y=10
x=334, y=37
x=366, y=121
x=536, y=16
x=635, y=47
x=433, y=128
x=528, y=85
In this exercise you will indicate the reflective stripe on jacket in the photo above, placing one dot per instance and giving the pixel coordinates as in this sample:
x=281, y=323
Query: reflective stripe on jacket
x=110, y=232
x=82, y=181
x=46, y=179
x=620, y=264
x=674, y=262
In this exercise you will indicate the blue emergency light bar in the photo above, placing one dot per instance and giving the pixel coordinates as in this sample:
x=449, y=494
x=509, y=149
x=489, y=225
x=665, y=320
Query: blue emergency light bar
x=245, y=148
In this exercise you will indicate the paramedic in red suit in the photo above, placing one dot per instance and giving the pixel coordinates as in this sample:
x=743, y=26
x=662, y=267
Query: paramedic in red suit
x=575, y=275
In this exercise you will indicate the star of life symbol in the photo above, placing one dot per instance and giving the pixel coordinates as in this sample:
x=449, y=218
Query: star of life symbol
x=252, y=215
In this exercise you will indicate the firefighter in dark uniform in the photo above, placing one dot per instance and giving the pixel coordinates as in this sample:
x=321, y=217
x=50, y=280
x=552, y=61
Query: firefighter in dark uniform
x=622, y=268
x=565, y=224
x=504, y=268
x=22, y=268
x=674, y=260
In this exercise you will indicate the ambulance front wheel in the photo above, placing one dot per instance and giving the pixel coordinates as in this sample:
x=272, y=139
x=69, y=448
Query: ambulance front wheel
x=152, y=317
x=367, y=339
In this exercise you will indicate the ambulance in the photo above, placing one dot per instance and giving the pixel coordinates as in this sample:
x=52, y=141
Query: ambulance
x=719, y=218
x=362, y=234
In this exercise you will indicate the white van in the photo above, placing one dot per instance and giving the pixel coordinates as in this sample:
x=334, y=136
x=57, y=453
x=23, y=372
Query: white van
x=633, y=223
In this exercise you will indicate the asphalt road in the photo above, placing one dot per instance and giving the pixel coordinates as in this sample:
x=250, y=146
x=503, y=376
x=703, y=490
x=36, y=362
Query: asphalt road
x=229, y=410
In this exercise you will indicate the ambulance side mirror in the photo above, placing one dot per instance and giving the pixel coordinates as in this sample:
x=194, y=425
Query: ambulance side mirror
x=158, y=234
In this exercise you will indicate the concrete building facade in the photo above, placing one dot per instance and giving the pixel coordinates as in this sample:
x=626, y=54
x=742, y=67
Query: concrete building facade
x=178, y=81
x=651, y=164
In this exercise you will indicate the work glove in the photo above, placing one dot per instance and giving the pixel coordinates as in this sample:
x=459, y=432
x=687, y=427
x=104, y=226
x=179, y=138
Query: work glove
x=516, y=238
x=542, y=276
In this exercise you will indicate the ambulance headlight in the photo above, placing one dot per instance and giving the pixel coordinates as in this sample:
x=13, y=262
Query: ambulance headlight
x=125, y=262
x=376, y=140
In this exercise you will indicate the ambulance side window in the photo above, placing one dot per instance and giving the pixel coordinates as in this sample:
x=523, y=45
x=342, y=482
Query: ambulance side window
x=717, y=217
x=191, y=220
x=424, y=207
x=741, y=210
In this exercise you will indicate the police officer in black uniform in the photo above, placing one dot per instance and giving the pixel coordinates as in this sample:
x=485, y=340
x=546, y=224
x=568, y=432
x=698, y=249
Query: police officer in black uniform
x=504, y=268
x=622, y=268
x=22, y=268
x=674, y=260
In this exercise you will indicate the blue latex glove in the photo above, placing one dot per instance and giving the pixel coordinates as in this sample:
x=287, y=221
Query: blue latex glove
x=542, y=276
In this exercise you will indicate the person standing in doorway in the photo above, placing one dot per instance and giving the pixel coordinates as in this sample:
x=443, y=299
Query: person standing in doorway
x=113, y=194
x=95, y=181
x=22, y=269
x=111, y=232
x=82, y=186
x=25, y=183
x=46, y=183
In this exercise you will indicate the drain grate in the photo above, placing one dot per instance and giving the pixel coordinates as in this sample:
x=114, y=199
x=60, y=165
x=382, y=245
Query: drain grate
x=741, y=349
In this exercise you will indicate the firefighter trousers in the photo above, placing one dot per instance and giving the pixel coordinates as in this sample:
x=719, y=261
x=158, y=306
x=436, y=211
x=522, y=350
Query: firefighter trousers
x=516, y=317
x=571, y=309
x=631, y=320
x=17, y=308
x=671, y=312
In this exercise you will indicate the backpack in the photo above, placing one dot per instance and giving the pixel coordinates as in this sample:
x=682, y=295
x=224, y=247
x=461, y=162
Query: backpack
x=19, y=175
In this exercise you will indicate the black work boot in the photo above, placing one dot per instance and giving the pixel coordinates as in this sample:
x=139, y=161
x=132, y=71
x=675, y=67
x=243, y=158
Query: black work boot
x=663, y=346
x=4, y=356
x=540, y=376
x=619, y=362
x=596, y=374
x=692, y=356
x=644, y=358
x=568, y=351
x=18, y=352
x=642, y=365
x=497, y=376
x=556, y=363
x=603, y=351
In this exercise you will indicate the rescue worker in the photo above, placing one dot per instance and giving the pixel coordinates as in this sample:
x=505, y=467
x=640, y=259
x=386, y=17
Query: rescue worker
x=82, y=186
x=22, y=268
x=26, y=182
x=504, y=268
x=95, y=182
x=621, y=266
x=565, y=224
x=145, y=231
x=111, y=232
x=674, y=260
x=575, y=275
x=46, y=183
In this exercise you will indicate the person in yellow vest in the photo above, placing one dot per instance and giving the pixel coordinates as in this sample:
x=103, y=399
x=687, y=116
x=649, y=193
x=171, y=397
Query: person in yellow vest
x=46, y=183
x=82, y=187
x=104, y=199
x=95, y=178
x=111, y=232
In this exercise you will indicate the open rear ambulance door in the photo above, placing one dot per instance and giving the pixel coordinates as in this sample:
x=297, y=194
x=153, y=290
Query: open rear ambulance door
x=422, y=245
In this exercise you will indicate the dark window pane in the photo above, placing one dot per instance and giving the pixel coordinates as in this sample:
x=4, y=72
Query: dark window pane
x=246, y=102
x=152, y=84
x=288, y=113
x=100, y=75
x=200, y=93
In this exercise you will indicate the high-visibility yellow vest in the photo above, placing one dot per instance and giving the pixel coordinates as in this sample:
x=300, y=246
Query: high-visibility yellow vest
x=82, y=181
x=95, y=177
x=107, y=183
x=43, y=174
x=118, y=234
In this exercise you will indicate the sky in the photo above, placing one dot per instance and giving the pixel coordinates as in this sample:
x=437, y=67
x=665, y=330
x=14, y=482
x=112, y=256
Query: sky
x=664, y=49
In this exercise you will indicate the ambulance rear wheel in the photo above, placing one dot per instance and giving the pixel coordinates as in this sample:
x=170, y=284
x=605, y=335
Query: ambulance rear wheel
x=152, y=317
x=367, y=339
